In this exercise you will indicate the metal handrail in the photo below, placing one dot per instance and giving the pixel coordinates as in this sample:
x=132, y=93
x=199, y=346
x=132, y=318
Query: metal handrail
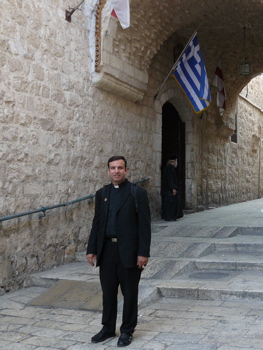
x=44, y=209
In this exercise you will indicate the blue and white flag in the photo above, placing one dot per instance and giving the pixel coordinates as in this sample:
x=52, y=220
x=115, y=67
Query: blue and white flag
x=190, y=73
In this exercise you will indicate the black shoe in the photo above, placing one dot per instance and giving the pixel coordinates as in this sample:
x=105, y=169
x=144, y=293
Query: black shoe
x=125, y=339
x=101, y=336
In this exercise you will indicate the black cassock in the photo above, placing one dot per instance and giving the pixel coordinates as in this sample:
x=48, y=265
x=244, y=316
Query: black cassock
x=171, y=205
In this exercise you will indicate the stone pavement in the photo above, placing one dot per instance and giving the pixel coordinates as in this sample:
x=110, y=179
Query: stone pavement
x=202, y=290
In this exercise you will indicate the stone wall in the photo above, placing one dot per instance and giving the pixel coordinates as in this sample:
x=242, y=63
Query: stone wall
x=57, y=133
x=232, y=171
x=253, y=91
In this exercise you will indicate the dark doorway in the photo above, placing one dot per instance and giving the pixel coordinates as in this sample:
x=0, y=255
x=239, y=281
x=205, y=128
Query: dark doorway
x=173, y=141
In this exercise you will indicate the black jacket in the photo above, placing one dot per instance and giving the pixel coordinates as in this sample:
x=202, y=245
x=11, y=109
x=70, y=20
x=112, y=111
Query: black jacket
x=133, y=228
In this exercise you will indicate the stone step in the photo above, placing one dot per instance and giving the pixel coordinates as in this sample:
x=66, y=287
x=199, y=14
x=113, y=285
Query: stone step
x=188, y=282
x=201, y=284
x=233, y=264
x=203, y=293
x=246, y=248
x=194, y=250
x=180, y=249
x=171, y=269
x=209, y=263
x=194, y=231
x=205, y=231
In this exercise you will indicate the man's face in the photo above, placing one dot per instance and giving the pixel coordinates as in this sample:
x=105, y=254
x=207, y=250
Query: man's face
x=174, y=163
x=117, y=171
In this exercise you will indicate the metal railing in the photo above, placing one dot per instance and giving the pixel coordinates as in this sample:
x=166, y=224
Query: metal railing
x=44, y=209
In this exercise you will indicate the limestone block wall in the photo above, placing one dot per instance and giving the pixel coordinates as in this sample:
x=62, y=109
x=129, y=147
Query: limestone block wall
x=232, y=172
x=253, y=91
x=235, y=172
x=57, y=133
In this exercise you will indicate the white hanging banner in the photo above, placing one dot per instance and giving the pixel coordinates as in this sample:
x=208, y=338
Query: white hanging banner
x=122, y=12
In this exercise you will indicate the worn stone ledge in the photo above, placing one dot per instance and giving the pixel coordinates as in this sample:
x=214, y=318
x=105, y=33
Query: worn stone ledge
x=224, y=131
x=108, y=82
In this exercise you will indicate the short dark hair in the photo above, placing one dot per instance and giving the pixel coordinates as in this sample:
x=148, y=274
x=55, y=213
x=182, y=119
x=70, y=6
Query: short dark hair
x=113, y=158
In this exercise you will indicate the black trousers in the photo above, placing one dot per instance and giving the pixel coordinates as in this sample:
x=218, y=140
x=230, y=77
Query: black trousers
x=112, y=275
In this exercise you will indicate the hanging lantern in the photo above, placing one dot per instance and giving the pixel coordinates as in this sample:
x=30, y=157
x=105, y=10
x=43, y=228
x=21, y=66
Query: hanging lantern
x=245, y=66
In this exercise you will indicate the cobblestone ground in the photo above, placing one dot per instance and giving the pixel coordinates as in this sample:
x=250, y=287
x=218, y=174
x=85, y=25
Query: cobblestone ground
x=168, y=323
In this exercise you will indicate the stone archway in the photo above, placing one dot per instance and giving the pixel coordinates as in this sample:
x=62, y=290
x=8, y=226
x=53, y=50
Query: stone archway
x=176, y=98
x=126, y=55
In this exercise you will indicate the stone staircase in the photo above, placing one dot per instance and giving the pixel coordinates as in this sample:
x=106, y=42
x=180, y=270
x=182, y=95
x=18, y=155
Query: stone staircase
x=207, y=262
x=193, y=262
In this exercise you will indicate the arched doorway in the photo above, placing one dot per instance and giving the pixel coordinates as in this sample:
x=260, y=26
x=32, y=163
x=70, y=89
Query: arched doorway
x=173, y=141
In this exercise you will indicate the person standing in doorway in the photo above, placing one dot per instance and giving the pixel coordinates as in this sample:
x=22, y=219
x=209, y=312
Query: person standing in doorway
x=171, y=201
x=119, y=244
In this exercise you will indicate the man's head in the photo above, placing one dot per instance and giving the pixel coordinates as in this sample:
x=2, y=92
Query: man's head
x=117, y=169
x=117, y=158
x=173, y=159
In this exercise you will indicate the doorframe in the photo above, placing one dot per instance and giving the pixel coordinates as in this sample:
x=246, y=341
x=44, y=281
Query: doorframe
x=192, y=141
x=174, y=130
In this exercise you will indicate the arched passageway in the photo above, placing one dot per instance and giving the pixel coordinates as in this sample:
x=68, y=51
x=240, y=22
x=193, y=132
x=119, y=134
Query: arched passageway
x=220, y=27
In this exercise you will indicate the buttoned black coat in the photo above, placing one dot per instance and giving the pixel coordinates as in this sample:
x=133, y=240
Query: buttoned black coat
x=133, y=226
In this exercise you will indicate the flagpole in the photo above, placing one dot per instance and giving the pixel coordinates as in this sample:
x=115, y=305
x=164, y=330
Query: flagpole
x=195, y=32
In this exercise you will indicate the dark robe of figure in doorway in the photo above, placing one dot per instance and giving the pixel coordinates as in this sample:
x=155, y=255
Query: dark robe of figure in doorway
x=171, y=201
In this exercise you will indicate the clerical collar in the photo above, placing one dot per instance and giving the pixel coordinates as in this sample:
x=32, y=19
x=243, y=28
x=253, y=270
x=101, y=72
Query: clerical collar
x=121, y=184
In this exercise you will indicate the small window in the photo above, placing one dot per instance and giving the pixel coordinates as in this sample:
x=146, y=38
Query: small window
x=234, y=135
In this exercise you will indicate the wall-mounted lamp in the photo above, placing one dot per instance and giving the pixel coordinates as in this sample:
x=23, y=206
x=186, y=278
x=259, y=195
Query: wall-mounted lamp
x=245, y=66
x=70, y=13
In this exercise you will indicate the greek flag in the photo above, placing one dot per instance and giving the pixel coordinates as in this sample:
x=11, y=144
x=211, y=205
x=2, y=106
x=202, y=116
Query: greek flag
x=190, y=73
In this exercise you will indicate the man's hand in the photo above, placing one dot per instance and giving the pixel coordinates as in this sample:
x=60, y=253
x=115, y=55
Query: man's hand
x=91, y=259
x=174, y=192
x=142, y=261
